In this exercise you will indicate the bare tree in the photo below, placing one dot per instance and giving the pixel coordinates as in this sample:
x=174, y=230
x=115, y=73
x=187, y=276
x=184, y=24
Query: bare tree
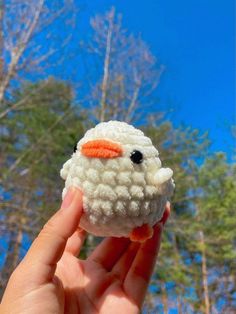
x=125, y=72
x=30, y=40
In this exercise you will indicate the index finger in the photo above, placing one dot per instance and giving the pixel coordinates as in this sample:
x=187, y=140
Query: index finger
x=49, y=246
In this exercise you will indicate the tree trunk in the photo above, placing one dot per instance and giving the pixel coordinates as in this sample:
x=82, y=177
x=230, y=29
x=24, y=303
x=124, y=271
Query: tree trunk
x=164, y=298
x=106, y=66
x=177, y=264
x=15, y=230
x=179, y=305
x=13, y=256
x=204, y=274
x=1, y=40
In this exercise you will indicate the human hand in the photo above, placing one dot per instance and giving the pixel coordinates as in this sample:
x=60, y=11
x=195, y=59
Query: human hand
x=51, y=279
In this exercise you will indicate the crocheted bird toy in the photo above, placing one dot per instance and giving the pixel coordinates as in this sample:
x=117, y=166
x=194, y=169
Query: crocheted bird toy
x=124, y=187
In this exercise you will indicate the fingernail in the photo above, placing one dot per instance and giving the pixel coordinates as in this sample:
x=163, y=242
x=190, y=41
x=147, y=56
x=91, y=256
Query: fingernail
x=79, y=230
x=166, y=214
x=68, y=198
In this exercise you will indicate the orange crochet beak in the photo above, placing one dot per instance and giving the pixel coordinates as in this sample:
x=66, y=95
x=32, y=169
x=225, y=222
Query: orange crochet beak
x=101, y=149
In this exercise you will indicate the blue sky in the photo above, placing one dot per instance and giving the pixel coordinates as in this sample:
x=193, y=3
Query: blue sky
x=195, y=41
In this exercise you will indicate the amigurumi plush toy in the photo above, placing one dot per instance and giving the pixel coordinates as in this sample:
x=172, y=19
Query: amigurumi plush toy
x=124, y=187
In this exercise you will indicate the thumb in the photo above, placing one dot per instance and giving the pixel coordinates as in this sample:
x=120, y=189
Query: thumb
x=48, y=247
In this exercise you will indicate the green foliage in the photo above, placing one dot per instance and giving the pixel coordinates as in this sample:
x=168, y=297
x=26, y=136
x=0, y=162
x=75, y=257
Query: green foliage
x=217, y=206
x=204, y=201
x=42, y=134
x=39, y=137
x=35, y=142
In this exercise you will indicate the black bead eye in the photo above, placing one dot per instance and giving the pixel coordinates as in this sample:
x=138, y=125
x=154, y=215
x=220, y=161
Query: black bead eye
x=75, y=148
x=136, y=156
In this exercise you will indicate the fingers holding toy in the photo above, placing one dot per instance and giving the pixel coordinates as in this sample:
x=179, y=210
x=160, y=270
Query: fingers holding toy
x=125, y=262
x=138, y=263
x=75, y=242
x=109, y=251
x=50, y=244
x=138, y=276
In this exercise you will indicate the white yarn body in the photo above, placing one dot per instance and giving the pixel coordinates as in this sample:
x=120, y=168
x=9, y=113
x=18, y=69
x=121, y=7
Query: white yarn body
x=119, y=195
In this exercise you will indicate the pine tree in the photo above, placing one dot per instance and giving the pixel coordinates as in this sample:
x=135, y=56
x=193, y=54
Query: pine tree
x=35, y=142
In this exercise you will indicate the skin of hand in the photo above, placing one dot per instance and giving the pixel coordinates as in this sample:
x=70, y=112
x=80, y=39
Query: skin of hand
x=51, y=279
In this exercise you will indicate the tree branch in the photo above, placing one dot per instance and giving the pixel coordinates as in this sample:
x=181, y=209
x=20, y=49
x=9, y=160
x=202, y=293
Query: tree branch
x=106, y=65
x=19, y=49
x=133, y=104
x=22, y=101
